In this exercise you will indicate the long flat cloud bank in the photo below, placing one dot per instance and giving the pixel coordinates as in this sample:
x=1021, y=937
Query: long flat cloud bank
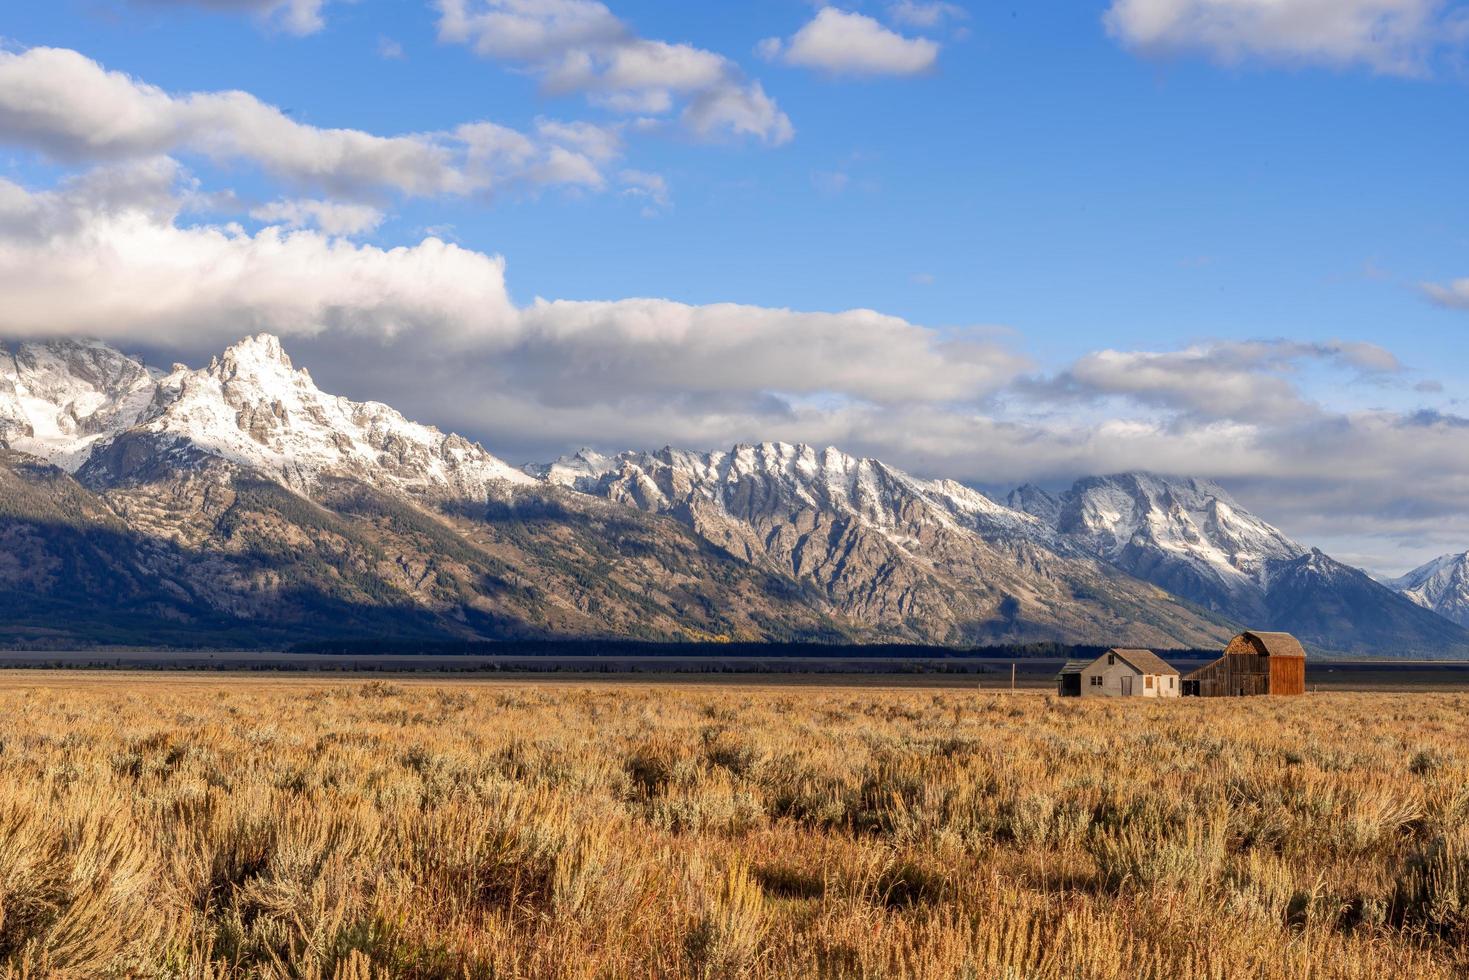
x=432, y=328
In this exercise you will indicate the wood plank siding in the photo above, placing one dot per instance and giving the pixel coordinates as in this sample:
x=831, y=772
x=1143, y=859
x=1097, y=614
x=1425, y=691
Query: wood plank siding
x=1253, y=664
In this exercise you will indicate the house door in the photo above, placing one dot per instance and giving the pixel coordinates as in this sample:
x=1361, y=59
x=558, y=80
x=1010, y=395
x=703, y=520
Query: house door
x=1127, y=687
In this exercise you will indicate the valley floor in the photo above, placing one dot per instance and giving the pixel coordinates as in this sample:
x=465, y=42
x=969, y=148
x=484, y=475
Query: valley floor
x=198, y=825
x=836, y=669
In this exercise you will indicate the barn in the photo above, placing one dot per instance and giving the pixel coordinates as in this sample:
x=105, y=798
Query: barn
x=1119, y=673
x=1253, y=663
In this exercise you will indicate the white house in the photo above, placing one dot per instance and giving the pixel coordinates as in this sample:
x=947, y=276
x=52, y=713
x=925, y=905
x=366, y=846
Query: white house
x=1119, y=674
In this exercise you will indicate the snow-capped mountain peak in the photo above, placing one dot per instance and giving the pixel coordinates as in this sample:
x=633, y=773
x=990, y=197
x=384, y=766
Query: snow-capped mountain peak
x=1039, y=503
x=1133, y=518
x=59, y=398
x=253, y=407
x=764, y=478
x=1441, y=585
x=1192, y=538
x=579, y=470
x=70, y=402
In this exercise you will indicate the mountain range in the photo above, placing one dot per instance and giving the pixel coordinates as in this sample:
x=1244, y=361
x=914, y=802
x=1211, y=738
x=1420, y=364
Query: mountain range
x=239, y=505
x=1441, y=585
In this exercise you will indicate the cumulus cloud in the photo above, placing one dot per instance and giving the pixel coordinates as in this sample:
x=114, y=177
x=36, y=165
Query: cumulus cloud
x=925, y=13
x=581, y=46
x=1252, y=380
x=650, y=188
x=431, y=328
x=1388, y=36
x=298, y=17
x=68, y=106
x=332, y=217
x=1452, y=295
x=846, y=43
x=76, y=261
x=88, y=259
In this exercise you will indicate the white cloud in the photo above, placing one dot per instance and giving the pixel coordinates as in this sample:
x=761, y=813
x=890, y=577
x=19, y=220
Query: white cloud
x=581, y=46
x=738, y=111
x=598, y=143
x=389, y=49
x=539, y=31
x=431, y=328
x=76, y=261
x=845, y=43
x=1240, y=380
x=925, y=13
x=1389, y=36
x=66, y=105
x=1453, y=295
x=332, y=217
x=298, y=17
x=650, y=188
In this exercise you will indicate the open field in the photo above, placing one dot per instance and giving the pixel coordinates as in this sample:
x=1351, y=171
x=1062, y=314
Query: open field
x=205, y=826
x=839, y=666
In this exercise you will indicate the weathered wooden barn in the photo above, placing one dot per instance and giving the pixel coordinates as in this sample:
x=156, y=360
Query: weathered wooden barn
x=1253, y=663
x=1119, y=673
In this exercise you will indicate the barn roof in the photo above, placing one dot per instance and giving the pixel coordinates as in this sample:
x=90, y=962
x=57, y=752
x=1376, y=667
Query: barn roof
x=1201, y=673
x=1275, y=644
x=1144, y=660
x=1075, y=667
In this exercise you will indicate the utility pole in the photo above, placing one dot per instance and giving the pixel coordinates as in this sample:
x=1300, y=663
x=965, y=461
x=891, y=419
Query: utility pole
x=1012, y=677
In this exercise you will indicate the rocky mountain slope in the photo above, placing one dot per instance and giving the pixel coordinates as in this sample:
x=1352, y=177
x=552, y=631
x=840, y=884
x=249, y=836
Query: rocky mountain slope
x=59, y=399
x=1192, y=538
x=924, y=560
x=240, y=496
x=1441, y=585
x=239, y=504
x=252, y=407
x=218, y=555
x=243, y=506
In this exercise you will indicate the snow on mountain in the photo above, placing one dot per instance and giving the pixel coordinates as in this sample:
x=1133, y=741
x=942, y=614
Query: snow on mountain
x=777, y=474
x=930, y=559
x=1031, y=499
x=1192, y=538
x=59, y=398
x=1190, y=532
x=1441, y=585
x=924, y=559
x=580, y=470
x=83, y=404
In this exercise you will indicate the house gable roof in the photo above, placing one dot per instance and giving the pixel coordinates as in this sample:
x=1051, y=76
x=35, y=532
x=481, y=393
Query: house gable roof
x=1145, y=661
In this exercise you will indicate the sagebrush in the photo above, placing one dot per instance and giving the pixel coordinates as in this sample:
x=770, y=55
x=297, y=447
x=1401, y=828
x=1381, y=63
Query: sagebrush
x=360, y=830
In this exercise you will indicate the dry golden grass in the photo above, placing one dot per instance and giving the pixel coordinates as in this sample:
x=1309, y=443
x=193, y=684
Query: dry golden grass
x=361, y=830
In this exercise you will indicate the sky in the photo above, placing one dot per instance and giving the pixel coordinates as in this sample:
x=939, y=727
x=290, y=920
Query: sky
x=997, y=242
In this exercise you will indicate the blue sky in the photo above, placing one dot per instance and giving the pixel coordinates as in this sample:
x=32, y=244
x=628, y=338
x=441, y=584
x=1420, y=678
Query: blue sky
x=1142, y=177
x=1043, y=175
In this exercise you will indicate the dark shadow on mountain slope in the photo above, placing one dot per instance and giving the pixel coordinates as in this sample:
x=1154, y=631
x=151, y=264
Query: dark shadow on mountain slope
x=98, y=586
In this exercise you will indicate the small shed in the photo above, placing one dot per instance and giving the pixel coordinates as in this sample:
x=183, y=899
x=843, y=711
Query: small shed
x=1254, y=663
x=1068, y=682
x=1119, y=673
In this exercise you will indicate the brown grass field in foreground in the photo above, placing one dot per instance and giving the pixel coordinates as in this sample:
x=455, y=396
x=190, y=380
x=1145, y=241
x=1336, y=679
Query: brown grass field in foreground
x=227, y=827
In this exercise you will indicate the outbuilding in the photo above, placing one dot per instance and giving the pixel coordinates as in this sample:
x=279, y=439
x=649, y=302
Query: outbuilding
x=1255, y=662
x=1119, y=673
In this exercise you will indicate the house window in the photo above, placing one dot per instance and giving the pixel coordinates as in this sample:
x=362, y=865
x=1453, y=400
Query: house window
x=1097, y=681
x=1148, y=682
x=1111, y=659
